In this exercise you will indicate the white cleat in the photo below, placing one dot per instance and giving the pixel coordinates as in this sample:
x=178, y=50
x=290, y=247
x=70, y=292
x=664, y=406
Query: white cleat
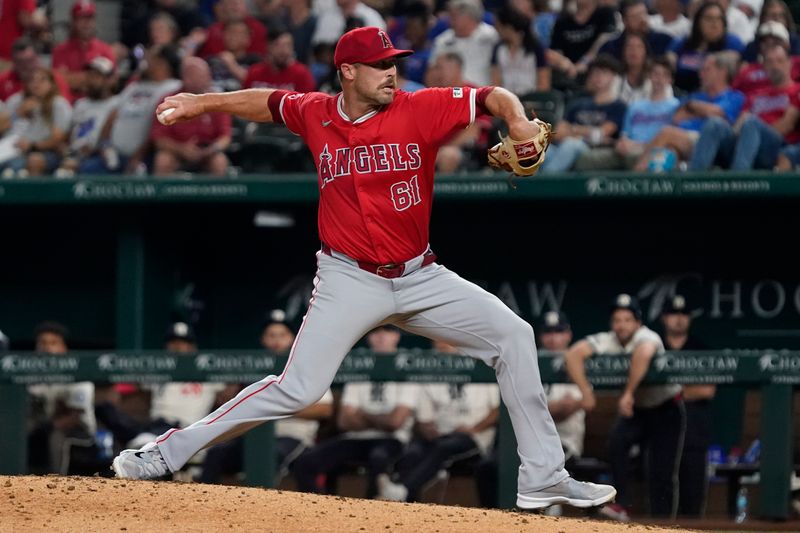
x=388, y=490
x=570, y=492
x=145, y=463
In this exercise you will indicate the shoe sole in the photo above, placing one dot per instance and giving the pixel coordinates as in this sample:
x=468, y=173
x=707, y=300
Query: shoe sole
x=530, y=503
x=116, y=466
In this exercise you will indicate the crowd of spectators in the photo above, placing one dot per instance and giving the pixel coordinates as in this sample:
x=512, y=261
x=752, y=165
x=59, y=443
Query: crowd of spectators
x=631, y=75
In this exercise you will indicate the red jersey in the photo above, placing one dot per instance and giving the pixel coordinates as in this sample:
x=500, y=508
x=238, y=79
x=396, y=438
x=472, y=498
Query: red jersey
x=753, y=77
x=74, y=55
x=295, y=77
x=10, y=84
x=10, y=27
x=770, y=104
x=375, y=174
x=215, y=42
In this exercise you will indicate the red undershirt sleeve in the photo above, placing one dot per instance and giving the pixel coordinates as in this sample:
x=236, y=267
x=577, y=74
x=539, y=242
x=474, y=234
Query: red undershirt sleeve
x=481, y=95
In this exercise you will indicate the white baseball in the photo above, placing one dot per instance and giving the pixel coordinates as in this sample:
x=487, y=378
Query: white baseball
x=164, y=114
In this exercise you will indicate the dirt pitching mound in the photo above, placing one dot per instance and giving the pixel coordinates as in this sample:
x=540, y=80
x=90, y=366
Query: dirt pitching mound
x=54, y=503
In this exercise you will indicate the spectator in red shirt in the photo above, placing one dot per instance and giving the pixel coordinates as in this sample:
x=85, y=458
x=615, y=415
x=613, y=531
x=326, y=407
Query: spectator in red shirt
x=199, y=144
x=71, y=57
x=280, y=70
x=228, y=10
x=15, y=17
x=753, y=76
x=24, y=63
x=768, y=121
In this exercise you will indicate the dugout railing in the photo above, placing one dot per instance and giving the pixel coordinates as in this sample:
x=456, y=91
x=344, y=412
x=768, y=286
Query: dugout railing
x=774, y=373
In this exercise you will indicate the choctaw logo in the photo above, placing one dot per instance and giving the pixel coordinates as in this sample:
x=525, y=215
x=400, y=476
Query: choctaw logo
x=111, y=362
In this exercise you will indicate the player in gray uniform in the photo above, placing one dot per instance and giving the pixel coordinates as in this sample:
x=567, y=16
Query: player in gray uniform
x=651, y=415
x=375, y=148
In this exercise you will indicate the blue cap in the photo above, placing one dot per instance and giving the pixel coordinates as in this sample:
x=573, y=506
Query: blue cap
x=180, y=331
x=676, y=305
x=628, y=302
x=553, y=321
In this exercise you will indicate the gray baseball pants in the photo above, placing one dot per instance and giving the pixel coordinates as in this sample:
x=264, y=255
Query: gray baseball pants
x=431, y=301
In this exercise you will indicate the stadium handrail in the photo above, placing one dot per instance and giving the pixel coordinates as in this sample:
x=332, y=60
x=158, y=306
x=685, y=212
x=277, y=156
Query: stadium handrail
x=774, y=371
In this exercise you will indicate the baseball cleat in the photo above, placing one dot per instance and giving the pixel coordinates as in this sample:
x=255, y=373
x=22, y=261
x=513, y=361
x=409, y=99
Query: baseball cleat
x=570, y=492
x=391, y=491
x=145, y=463
x=614, y=511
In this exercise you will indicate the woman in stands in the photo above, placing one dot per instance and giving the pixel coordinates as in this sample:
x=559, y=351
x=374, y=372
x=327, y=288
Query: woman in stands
x=709, y=34
x=634, y=84
x=40, y=124
x=518, y=60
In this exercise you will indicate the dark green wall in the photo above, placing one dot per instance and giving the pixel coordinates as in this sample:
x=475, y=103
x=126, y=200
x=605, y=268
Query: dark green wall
x=60, y=262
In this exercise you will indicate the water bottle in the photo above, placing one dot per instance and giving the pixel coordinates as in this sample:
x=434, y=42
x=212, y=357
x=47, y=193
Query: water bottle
x=753, y=453
x=662, y=160
x=105, y=444
x=741, y=505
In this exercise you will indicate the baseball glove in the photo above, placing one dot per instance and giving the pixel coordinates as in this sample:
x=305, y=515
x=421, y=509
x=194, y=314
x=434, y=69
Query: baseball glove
x=521, y=158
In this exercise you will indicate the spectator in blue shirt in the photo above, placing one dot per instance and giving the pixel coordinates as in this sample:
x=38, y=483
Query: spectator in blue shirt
x=645, y=118
x=709, y=34
x=590, y=123
x=714, y=99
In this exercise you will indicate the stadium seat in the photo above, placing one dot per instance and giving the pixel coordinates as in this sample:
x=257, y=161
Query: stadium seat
x=266, y=147
x=548, y=105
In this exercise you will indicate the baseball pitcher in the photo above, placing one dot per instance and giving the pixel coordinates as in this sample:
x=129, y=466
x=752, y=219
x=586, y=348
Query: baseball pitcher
x=375, y=149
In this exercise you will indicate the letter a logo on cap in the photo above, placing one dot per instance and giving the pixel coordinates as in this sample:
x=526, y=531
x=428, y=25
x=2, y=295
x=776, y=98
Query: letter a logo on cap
x=386, y=42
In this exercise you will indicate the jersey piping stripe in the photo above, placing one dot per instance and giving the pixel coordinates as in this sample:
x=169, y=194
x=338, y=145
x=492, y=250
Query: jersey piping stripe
x=472, y=94
x=340, y=109
x=283, y=374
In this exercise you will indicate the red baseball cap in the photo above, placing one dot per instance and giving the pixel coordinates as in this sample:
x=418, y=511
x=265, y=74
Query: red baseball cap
x=366, y=45
x=83, y=8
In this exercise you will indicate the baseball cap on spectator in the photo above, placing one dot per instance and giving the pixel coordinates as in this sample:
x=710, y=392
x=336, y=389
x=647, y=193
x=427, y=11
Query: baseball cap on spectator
x=101, y=64
x=773, y=28
x=50, y=326
x=4, y=342
x=628, y=302
x=554, y=321
x=83, y=8
x=676, y=305
x=365, y=45
x=180, y=331
x=276, y=316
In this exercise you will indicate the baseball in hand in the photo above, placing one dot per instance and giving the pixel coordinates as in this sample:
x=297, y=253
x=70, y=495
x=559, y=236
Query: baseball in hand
x=164, y=114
